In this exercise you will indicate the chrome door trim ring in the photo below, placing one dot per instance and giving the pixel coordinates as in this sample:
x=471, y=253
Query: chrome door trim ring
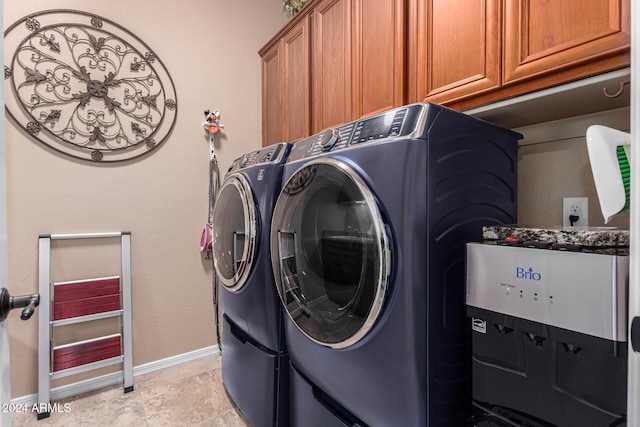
x=383, y=242
x=246, y=196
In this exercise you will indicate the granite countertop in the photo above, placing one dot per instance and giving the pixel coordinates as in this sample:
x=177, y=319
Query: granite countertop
x=582, y=236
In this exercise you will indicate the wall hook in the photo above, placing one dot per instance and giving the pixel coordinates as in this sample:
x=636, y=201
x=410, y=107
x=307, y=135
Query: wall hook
x=618, y=93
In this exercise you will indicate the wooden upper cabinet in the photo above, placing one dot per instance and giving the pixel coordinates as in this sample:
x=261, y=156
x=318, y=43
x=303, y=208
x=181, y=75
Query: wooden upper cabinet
x=543, y=36
x=286, y=85
x=455, y=48
x=339, y=60
x=272, y=102
x=334, y=62
x=358, y=59
x=296, y=116
x=464, y=53
x=331, y=59
x=378, y=56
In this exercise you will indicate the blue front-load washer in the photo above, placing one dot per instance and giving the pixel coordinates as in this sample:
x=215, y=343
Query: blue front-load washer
x=254, y=352
x=368, y=244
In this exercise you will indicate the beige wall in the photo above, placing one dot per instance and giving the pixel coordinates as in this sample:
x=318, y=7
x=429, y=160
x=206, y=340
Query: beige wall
x=553, y=163
x=210, y=49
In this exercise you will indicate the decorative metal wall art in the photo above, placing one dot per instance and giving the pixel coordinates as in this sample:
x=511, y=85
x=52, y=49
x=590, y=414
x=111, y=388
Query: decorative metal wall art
x=86, y=86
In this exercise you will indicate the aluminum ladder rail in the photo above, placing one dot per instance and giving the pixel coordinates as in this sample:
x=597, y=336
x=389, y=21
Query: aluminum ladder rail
x=45, y=352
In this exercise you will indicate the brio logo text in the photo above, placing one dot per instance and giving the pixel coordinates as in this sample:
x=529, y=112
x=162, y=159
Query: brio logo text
x=529, y=274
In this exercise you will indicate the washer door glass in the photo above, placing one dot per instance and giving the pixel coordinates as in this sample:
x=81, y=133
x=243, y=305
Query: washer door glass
x=330, y=253
x=234, y=231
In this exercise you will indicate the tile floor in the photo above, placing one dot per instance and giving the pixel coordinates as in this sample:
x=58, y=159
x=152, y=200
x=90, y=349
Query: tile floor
x=187, y=395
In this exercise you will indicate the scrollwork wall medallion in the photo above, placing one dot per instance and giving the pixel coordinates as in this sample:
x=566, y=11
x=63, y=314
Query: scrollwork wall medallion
x=86, y=86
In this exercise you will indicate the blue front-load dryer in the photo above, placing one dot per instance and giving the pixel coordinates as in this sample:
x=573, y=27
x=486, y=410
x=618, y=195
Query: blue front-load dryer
x=254, y=352
x=367, y=245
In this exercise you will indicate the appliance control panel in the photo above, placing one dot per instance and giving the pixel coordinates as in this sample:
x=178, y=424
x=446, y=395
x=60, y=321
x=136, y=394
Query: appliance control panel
x=272, y=154
x=578, y=291
x=400, y=123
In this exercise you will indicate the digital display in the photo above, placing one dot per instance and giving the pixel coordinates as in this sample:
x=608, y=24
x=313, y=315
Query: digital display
x=377, y=126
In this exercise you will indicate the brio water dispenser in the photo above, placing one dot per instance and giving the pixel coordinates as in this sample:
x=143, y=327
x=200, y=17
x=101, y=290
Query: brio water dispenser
x=549, y=328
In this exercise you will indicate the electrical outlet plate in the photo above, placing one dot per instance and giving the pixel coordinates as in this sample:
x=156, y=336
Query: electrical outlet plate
x=575, y=206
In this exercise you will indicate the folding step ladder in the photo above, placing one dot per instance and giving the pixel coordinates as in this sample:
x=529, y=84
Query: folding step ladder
x=76, y=302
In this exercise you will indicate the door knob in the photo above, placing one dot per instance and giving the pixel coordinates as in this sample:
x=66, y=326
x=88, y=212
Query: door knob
x=8, y=303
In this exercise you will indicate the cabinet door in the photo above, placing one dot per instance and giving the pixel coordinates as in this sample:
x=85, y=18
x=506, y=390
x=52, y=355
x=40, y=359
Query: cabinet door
x=454, y=48
x=378, y=53
x=272, y=111
x=543, y=36
x=296, y=86
x=331, y=100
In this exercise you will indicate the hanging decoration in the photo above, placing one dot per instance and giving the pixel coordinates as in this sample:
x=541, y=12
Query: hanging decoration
x=212, y=126
x=87, y=87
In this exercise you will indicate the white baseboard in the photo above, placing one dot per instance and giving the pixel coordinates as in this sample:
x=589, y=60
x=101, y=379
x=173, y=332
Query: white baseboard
x=107, y=380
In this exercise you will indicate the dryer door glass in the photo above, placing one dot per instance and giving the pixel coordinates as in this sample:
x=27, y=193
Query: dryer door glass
x=330, y=253
x=234, y=231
